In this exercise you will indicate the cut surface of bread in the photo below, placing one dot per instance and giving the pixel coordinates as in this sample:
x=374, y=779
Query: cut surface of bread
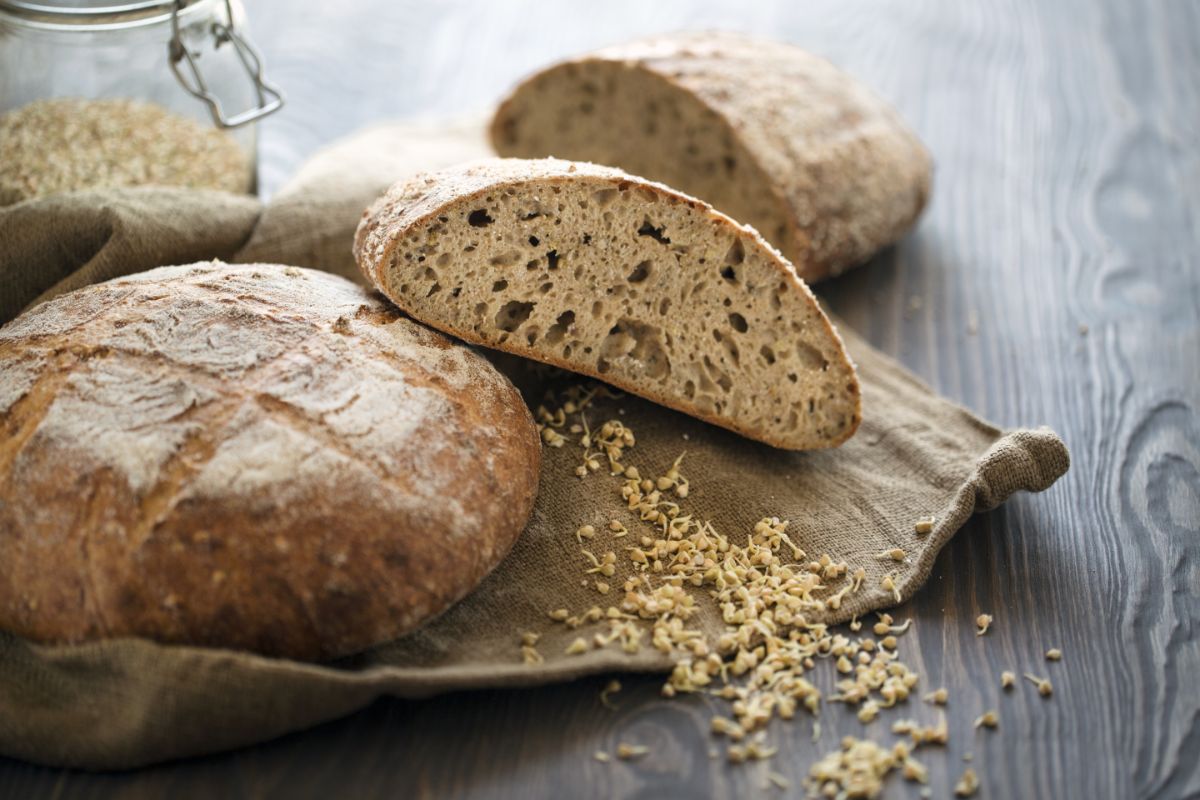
x=773, y=136
x=610, y=275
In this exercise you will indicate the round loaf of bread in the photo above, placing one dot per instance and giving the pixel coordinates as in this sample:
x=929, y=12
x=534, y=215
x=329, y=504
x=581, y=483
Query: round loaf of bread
x=254, y=457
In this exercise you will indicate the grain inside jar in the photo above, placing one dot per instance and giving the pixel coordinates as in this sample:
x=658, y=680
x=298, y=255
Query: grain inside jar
x=68, y=144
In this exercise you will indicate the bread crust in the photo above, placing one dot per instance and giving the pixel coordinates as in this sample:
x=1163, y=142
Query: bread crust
x=848, y=176
x=252, y=457
x=421, y=199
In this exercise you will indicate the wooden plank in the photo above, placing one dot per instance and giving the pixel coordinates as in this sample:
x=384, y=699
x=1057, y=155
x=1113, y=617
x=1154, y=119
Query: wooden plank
x=1067, y=195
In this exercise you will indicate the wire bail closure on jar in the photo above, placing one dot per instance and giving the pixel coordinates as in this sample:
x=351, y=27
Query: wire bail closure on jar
x=270, y=98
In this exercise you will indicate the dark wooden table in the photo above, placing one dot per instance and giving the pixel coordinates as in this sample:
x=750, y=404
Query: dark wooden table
x=1054, y=280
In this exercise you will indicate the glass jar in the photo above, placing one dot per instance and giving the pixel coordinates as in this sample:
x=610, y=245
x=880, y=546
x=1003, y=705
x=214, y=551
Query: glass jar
x=120, y=93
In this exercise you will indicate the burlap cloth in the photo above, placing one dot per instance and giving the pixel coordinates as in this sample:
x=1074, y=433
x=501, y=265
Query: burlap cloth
x=130, y=702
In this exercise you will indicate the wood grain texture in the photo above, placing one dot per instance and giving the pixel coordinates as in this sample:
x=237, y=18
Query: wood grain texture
x=1067, y=194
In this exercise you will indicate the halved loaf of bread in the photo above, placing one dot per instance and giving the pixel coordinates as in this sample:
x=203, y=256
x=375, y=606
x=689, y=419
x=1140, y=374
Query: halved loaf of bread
x=599, y=272
x=776, y=137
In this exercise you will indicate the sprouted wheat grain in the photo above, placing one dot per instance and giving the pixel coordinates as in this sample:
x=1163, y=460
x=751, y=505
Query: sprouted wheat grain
x=611, y=688
x=631, y=751
x=968, y=784
x=1045, y=689
x=988, y=719
x=765, y=588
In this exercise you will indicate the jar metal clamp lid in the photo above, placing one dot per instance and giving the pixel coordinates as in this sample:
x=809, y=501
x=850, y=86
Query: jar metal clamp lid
x=66, y=16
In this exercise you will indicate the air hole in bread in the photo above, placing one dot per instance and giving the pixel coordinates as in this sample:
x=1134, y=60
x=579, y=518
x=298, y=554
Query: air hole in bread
x=738, y=322
x=638, y=341
x=735, y=355
x=552, y=260
x=500, y=285
x=479, y=218
x=736, y=254
x=640, y=272
x=768, y=354
x=656, y=233
x=437, y=287
x=560, y=328
x=534, y=241
x=604, y=196
x=729, y=274
x=513, y=314
x=810, y=357
x=718, y=375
